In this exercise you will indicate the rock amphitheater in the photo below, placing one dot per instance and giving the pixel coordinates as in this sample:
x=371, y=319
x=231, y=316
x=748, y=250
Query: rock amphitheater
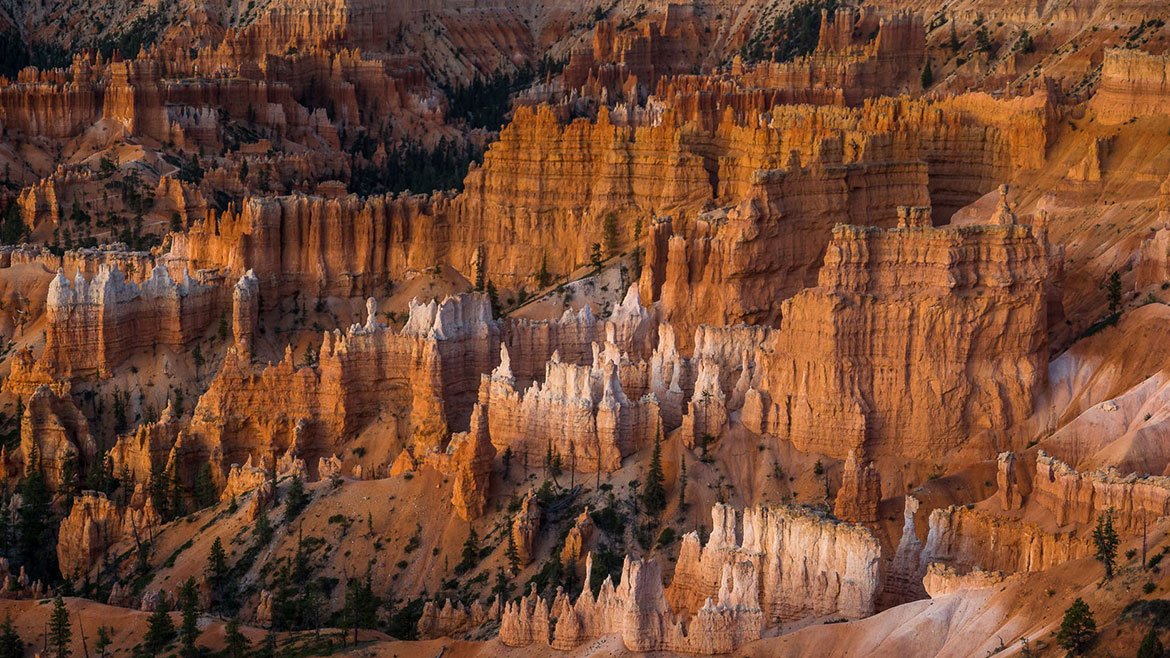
x=517, y=328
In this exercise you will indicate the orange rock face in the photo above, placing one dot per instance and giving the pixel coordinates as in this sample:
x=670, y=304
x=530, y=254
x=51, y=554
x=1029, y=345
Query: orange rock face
x=94, y=325
x=727, y=593
x=96, y=523
x=430, y=367
x=949, y=303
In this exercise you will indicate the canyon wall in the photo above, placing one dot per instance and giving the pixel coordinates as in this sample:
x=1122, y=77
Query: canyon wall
x=1133, y=84
x=975, y=293
x=791, y=564
x=94, y=326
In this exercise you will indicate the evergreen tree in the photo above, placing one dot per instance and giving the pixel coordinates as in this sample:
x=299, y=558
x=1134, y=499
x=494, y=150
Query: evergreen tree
x=235, y=643
x=821, y=473
x=189, y=605
x=543, y=278
x=1105, y=541
x=103, y=641
x=654, y=493
x=263, y=529
x=493, y=298
x=1078, y=628
x=217, y=564
x=11, y=645
x=501, y=587
x=927, y=76
x=160, y=632
x=682, y=485
x=609, y=233
x=507, y=462
x=205, y=494
x=1112, y=288
x=1151, y=646
x=512, y=554
x=35, y=523
x=595, y=256
x=60, y=632
x=296, y=499
x=470, y=552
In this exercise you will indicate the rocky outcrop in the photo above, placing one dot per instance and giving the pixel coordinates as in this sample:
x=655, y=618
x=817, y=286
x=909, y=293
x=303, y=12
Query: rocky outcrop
x=453, y=619
x=55, y=437
x=1133, y=84
x=579, y=534
x=906, y=570
x=860, y=492
x=1076, y=498
x=94, y=326
x=928, y=284
x=425, y=375
x=94, y=524
x=469, y=457
x=1007, y=479
x=966, y=538
x=637, y=611
x=807, y=564
x=245, y=312
x=1153, y=263
x=791, y=564
x=318, y=247
x=580, y=413
x=525, y=527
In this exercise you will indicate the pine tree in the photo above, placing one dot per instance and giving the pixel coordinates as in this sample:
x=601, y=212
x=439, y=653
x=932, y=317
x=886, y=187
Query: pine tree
x=60, y=632
x=609, y=229
x=189, y=605
x=927, y=78
x=1105, y=540
x=296, y=499
x=543, y=278
x=501, y=587
x=682, y=485
x=11, y=645
x=34, y=523
x=1112, y=288
x=493, y=298
x=470, y=552
x=507, y=462
x=263, y=529
x=160, y=632
x=595, y=256
x=217, y=564
x=103, y=641
x=1151, y=646
x=235, y=643
x=820, y=472
x=512, y=554
x=654, y=494
x=205, y=494
x=1078, y=628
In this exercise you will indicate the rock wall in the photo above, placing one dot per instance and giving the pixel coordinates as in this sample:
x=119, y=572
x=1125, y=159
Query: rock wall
x=94, y=326
x=637, y=610
x=579, y=412
x=858, y=361
x=94, y=524
x=425, y=376
x=807, y=564
x=319, y=247
x=1075, y=498
x=1133, y=84
x=55, y=437
x=966, y=538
